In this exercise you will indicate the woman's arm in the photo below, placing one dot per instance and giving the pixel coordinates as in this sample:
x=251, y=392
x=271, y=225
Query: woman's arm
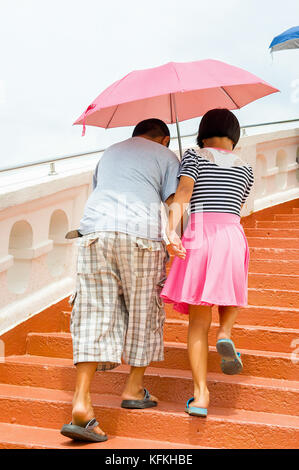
x=176, y=211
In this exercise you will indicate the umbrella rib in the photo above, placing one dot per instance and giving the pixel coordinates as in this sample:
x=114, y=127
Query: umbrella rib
x=177, y=75
x=221, y=88
x=112, y=116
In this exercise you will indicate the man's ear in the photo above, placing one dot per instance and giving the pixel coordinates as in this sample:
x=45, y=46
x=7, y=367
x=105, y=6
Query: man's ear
x=166, y=141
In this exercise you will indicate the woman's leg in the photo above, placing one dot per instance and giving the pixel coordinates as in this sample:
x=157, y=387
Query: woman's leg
x=227, y=318
x=198, y=349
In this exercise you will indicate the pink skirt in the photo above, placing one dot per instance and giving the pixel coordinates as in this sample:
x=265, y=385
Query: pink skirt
x=215, y=271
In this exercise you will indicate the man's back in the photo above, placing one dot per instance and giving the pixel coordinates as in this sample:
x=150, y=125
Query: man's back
x=130, y=181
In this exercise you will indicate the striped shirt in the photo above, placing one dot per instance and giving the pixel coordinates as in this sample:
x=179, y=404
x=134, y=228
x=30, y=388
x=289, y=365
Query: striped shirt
x=222, y=180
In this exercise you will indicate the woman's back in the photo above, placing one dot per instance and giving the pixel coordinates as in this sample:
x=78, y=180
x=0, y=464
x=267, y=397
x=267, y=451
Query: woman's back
x=222, y=180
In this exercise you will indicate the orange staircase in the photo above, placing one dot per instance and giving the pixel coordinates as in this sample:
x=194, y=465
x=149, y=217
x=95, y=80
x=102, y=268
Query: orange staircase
x=256, y=409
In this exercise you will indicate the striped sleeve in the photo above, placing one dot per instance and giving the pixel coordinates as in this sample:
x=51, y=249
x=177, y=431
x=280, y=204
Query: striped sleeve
x=250, y=180
x=189, y=165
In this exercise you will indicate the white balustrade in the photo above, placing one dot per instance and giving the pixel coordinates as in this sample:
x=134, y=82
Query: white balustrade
x=273, y=158
x=37, y=263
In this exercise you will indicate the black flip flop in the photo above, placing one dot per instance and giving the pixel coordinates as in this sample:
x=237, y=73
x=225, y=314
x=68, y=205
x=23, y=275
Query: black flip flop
x=146, y=402
x=86, y=433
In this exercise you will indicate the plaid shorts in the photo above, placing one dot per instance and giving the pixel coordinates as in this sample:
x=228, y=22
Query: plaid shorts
x=117, y=311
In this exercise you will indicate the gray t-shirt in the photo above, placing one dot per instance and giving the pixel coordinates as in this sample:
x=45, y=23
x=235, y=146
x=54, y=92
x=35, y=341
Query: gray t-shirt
x=130, y=181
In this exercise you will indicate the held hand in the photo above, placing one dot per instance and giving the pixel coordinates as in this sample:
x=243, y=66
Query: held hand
x=176, y=244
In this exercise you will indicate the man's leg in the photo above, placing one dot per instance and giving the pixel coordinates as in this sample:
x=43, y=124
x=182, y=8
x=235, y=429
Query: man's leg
x=97, y=324
x=134, y=388
x=142, y=266
x=82, y=407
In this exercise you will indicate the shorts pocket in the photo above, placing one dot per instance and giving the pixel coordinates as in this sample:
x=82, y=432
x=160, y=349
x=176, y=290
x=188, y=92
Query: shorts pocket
x=159, y=313
x=158, y=318
x=88, y=261
x=149, y=258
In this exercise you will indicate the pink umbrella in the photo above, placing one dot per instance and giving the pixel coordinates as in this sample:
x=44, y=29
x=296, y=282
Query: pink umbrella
x=174, y=92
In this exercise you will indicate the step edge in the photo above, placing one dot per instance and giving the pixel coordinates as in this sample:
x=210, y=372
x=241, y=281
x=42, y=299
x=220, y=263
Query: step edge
x=250, y=380
x=232, y=415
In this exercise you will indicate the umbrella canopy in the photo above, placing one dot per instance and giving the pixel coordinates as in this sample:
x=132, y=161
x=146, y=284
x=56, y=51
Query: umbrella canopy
x=194, y=88
x=289, y=39
x=174, y=92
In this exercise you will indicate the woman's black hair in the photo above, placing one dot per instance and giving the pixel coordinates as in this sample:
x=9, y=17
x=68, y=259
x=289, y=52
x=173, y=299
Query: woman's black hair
x=218, y=122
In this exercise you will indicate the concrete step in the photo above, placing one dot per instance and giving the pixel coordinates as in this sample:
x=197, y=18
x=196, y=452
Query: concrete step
x=287, y=217
x=15, y=436
x=273, y=232
x=271, y=337
x=257, y=363
x=251, y=315
x=245, y=337
x=278, y=224
x=273, y=281
x=276, y=267
x=274, y=253
x=268, y=316
x=225, y=391
x=223, y=428
x=273, y=297
x=271, y=242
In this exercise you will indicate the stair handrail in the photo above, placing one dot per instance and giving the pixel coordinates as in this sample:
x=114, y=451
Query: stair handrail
x=89, y=152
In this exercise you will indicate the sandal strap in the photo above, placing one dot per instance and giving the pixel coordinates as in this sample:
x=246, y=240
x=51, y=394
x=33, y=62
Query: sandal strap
x=90, y=425
x=147, y=394
x=189, y=401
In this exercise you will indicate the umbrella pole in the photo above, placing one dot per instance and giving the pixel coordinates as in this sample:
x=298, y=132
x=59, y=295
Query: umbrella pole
x=177, y=127
x=179, y=137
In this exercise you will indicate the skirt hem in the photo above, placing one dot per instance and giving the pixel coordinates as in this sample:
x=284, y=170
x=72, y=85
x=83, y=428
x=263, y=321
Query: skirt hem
x=203, y=302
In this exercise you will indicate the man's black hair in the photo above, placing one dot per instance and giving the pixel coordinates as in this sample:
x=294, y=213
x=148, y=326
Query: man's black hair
x=151, y=127
x=218, y=123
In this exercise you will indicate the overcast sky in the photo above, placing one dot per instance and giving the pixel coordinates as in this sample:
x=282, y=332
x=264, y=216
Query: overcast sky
x=58, y=55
